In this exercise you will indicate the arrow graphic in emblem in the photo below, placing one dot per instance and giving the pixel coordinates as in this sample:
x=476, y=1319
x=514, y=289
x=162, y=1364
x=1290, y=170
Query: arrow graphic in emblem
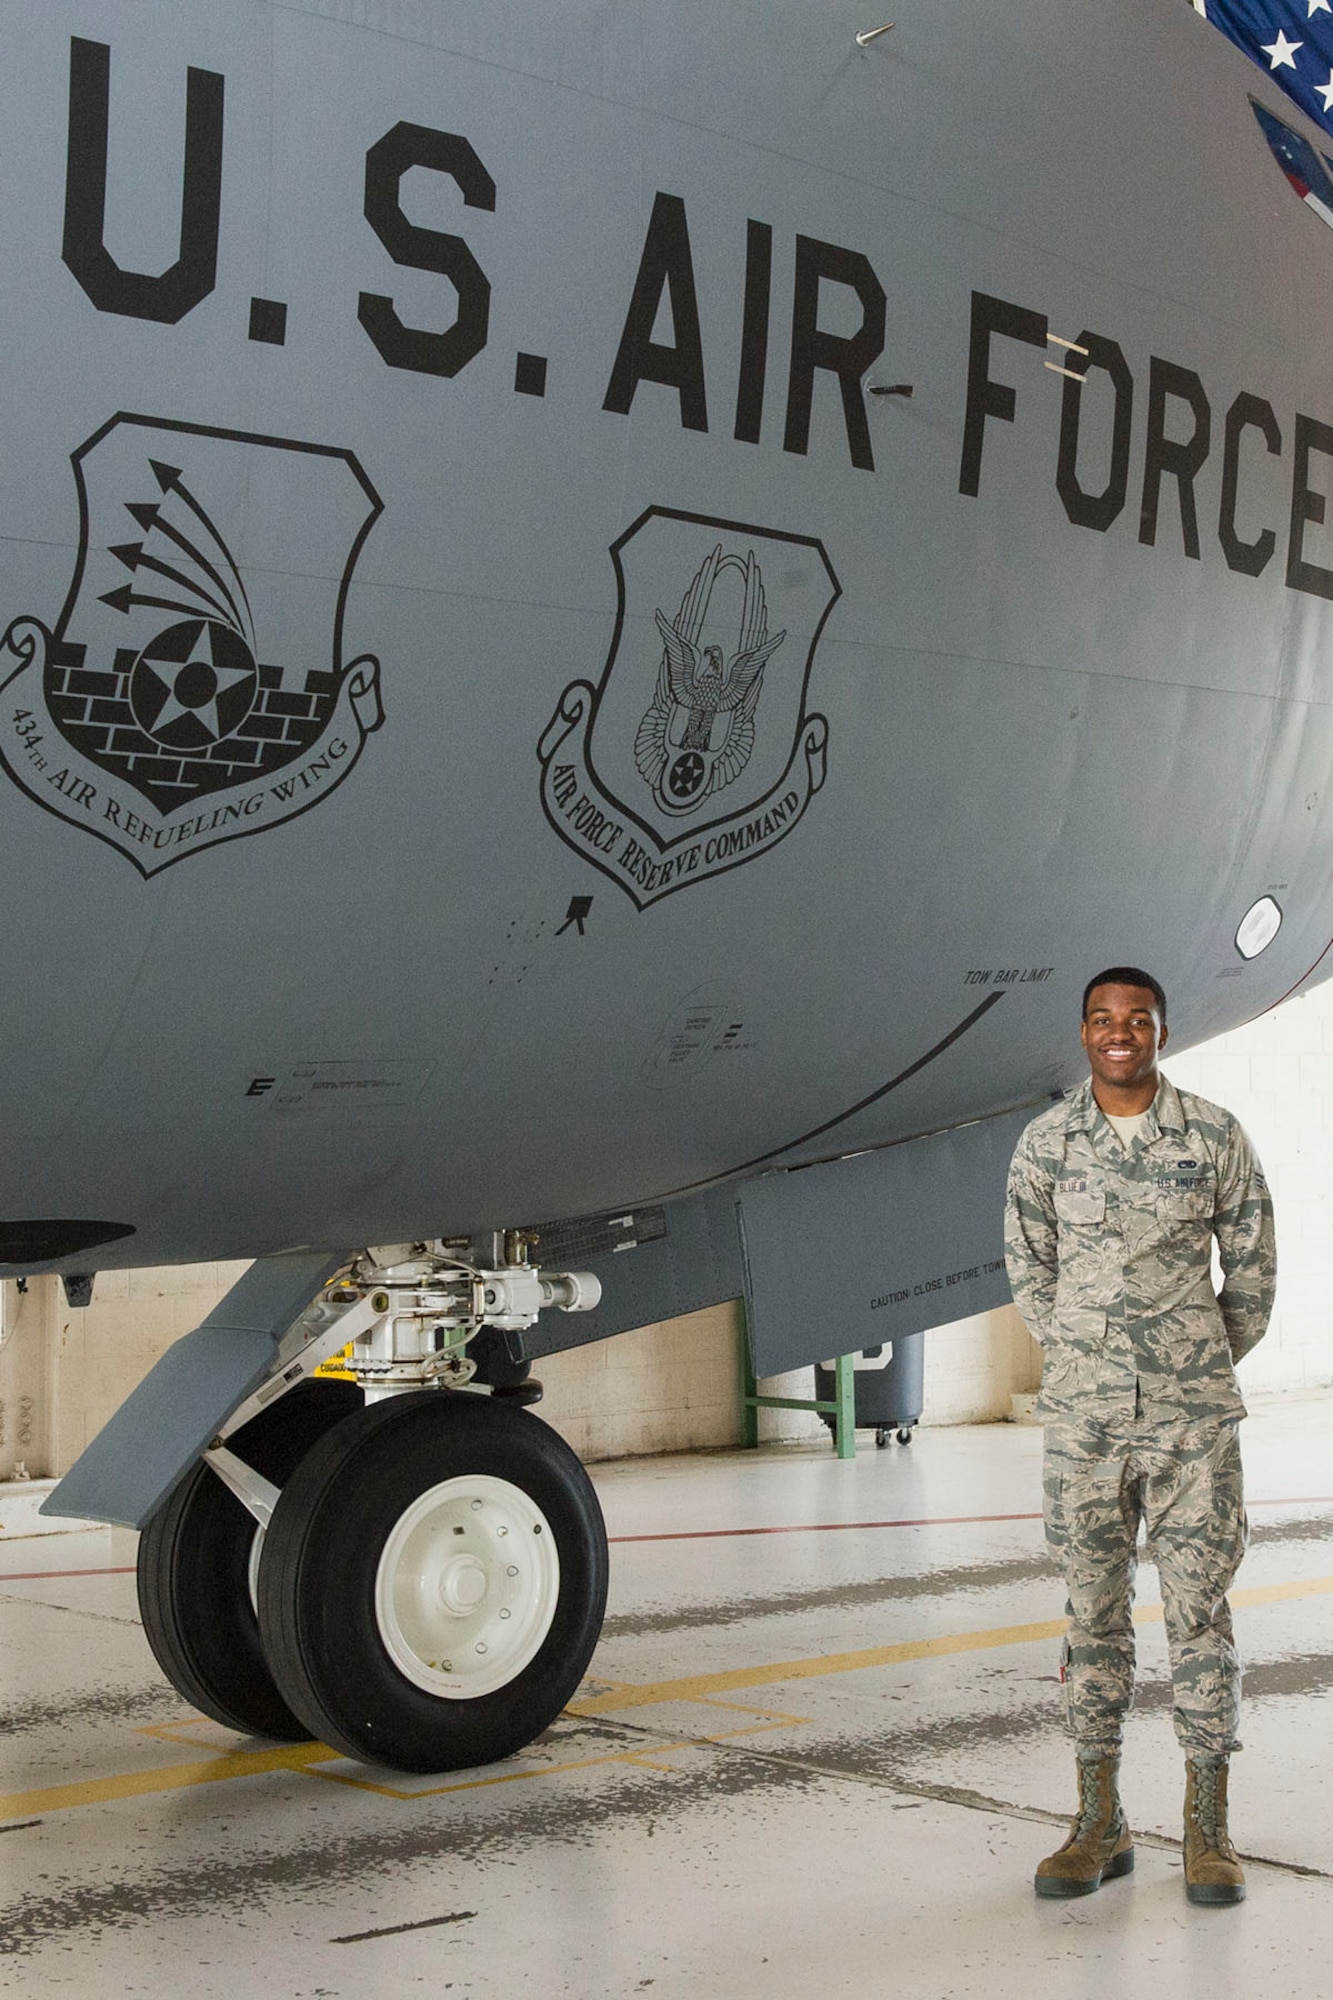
x=231, y=605
x=133, y=557
x=149, y=517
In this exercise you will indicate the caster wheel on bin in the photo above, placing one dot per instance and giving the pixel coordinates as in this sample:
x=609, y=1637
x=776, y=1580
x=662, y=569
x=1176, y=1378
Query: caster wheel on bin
x=881, y=1438
x=433, y=1582
x=198, y=1557
x=905, y=1434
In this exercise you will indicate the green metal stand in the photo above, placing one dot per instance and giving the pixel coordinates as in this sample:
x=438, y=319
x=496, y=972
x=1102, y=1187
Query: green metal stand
x=842, y=1409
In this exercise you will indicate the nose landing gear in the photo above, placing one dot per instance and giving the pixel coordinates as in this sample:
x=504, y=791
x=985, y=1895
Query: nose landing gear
x=414, y=1574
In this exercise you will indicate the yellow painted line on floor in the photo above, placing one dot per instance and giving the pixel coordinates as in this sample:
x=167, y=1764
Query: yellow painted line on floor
x=473, y=1784
x=699, y=1687
x=309, y=1757
x=178, y=1734
x=1282, y=1593
x=774, y=1718
x=703, y=1688
x=171, y=1778
x=555, y=1769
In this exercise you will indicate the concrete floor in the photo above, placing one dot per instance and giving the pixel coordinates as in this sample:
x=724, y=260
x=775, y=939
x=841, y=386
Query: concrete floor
x=820, y=1753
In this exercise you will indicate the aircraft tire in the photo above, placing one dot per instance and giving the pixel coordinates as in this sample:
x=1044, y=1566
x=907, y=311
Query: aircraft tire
x=196, y=1561
x=433, y=1582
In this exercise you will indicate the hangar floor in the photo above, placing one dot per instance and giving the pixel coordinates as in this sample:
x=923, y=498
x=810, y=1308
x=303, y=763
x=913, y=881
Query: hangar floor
x=821, y=1753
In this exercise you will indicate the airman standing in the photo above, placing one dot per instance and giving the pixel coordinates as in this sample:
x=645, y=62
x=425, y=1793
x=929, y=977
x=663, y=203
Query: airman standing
x=1115, y=1198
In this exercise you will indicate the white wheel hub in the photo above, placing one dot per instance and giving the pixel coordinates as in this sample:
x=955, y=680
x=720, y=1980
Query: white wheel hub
x=467, y=1586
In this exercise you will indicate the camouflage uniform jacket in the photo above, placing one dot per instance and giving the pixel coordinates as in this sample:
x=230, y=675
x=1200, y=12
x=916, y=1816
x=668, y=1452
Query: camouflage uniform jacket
x=1109, y=1255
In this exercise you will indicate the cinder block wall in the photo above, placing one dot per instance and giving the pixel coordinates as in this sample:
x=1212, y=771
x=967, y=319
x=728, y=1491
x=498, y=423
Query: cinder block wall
x=975, y=1367
x=675, y=1387
x=76, y=1367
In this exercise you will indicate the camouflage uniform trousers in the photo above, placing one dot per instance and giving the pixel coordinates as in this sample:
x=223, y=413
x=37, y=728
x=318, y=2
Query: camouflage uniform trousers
x=1181, y=1477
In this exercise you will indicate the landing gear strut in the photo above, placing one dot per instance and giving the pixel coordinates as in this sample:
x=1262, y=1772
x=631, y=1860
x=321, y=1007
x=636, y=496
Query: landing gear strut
x=420, y=1581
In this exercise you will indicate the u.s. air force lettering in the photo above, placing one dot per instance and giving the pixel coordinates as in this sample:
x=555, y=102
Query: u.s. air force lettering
x=192, y=689
x=695, y=752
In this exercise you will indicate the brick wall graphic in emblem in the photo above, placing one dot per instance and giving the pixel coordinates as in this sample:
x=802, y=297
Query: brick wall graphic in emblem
x=193, y=687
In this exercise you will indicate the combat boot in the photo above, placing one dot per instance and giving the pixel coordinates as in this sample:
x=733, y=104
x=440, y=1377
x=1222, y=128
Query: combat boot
x=1100, y=1846
x=1213, y=1873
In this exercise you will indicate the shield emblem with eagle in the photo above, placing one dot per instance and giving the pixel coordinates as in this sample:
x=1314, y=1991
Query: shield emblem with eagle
x=192, y=689
x=699, y=732
x=695, y=752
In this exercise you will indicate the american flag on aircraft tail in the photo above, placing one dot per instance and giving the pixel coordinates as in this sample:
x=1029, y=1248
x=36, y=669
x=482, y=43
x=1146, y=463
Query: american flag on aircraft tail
x=1290, y=40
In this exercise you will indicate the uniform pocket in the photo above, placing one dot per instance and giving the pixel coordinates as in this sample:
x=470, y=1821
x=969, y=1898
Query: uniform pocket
x=1186, y=1205
x=1077, y=1330
x=1080, y=1210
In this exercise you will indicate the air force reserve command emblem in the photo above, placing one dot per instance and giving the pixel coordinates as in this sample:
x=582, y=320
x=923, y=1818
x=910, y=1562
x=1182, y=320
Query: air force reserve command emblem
x=193, y=688
x=695, y=752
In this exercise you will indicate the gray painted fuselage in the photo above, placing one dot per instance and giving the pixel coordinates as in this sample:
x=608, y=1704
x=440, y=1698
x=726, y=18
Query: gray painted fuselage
x=439, y=981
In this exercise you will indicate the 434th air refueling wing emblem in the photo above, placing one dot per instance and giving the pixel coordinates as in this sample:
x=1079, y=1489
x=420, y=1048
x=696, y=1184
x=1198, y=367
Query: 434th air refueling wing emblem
x=192, y=689
x=695, y=752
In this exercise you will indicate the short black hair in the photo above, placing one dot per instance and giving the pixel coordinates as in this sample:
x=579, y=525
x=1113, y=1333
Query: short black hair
x=1126, y=975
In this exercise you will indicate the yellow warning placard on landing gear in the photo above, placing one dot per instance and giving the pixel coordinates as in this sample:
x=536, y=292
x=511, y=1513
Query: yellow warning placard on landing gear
x=336, y=1368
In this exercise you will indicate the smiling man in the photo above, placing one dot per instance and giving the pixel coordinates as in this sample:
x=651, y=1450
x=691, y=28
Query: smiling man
x=1116, y=1196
